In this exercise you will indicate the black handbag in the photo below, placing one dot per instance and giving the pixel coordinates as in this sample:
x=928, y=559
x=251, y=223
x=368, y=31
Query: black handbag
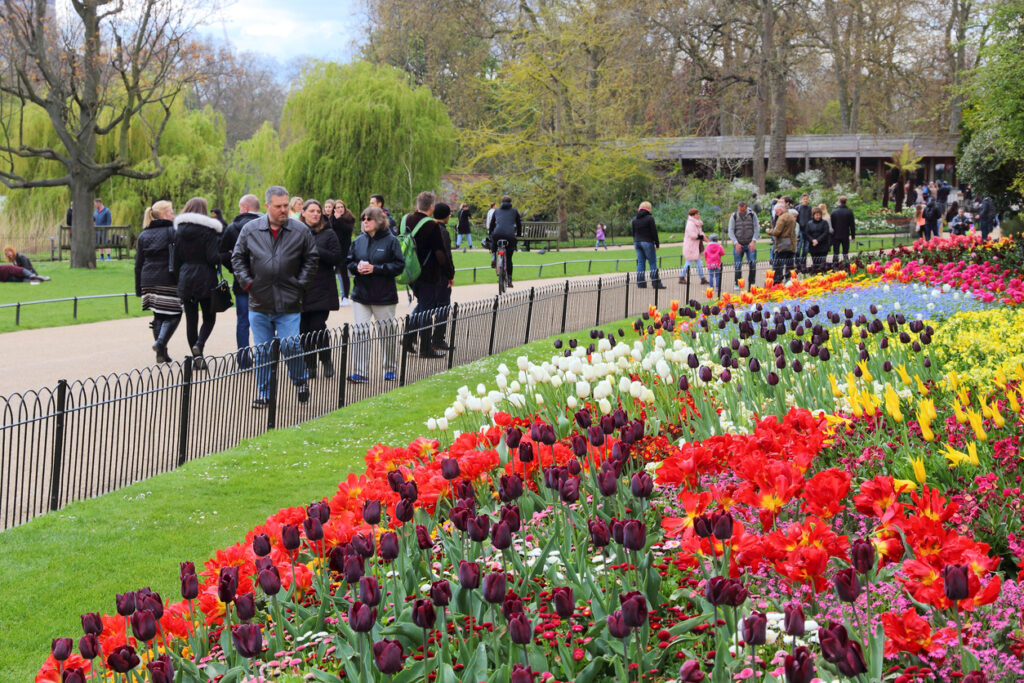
x=221, y=295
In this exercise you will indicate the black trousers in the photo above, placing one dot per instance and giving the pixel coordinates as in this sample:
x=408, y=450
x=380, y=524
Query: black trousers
x=510, y=249
x=840, y=244
x=194, y=334
x=431, y=297
x=313, y=328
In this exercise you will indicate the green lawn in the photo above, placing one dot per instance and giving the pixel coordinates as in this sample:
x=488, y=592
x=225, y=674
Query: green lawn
x=75, y=560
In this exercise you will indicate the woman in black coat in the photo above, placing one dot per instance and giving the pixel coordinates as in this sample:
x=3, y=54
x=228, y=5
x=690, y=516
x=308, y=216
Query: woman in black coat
x=196, y=260
x=321, y=296
x=154, y=275
x=816, y=233
x=343, y=223
x=375, y=260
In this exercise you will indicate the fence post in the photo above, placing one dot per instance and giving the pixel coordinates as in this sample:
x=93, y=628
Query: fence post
x=74, y=311
x=597, y=312
x=540, y=269
x=494, y=325
x=529, y=317
x=451, y=333
x=17, y=314
x=126, y=303
x=626, y=313
x=58, y=444
x=565, y=267
x=565, y=305
x=688, y=284
x=183, y=410
x=405, y=352
x=657, y=289
x=343, y=370
x=275, y=358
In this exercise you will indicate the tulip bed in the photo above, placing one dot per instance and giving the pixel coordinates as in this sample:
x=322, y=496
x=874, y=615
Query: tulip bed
x=816, y=481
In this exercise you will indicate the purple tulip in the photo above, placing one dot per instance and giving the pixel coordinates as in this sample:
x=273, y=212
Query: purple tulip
x=634, y=609
x=227, y=583
x=313, y=528
x=388, y=656
x=583, y=418
x=525, y=452
x=92, y=623
x=617, y=625
x=690, y=672
x=478, y=528
x=511, y=516
x=248, y=640
x=562, y=598
x=793, y=620
x=319, y=510
x=369, y=591
x=395, y=479
x=423, y=614
x=143, y=625
x=450, y=468
x=404, y=510
x=123, y=659
x=600, y=534
x=440, y=593
x=955, y=581
x=245, y=606
x=261, y=545
x=423, y=539
x=89, y=646
x=642, y=485
x=126, y=604
x=862, y=556
x=607, y=482
x=388, y=549
x=510, y=487
x=512, y=438
x=494, y=587
x=161, y=670
x=569, y=491
x=60, y=648
x=270, y=581
x=361, y=617
x=522, y=674
x=721, y=525
x=755, y=627
x=799, y=666
x=634, y=534
x=290, y=537
x=847, y=585
x=520, y=629
x=371, y=512
x=469, y=574
x=74, y=675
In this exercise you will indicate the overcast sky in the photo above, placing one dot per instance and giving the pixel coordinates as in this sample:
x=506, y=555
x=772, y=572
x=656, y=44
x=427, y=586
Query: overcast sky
x=325, y=29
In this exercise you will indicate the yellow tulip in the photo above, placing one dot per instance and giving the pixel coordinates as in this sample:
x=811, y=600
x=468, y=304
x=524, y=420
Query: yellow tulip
x=1011, y=396
x=851, y=383
x=863, y=365
x=835, y=387
x=927, y=408
x=921, y=388
x=985, y=410
x=892, y=403
x=870, y=403
x=902, y=370
x=999, y=378
x=972, y=453
x=952, y=380
x=976, y=424
x=996, y=416
x=958, y=411
x=954, y=456
x=904, y=485
x=919, y=471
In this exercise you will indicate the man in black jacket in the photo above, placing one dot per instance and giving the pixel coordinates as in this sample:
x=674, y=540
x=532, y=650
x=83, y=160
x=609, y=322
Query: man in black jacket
x=505, y=223
x=986, y=217
x=844, y=230
x=274, y=261
x=436, y=274
x=646, y=244
x=932, y=215
x=248, y=209
x=803, y=217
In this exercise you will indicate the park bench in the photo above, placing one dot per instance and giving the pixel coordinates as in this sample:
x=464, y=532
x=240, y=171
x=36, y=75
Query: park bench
x=118, y=239
x=549, y=233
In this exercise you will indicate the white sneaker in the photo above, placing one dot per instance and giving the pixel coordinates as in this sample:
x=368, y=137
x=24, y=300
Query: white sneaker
x=345, y=301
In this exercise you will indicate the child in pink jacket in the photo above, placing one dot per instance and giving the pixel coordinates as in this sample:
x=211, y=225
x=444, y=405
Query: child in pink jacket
x=713, y=257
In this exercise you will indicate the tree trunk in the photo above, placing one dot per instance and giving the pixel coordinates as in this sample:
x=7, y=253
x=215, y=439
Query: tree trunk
x=777, y=152
x=83, y=232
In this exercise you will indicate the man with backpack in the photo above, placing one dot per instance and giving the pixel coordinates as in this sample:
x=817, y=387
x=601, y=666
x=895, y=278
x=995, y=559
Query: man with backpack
x=932, y=215
x=505, y=224
x=436, y=272
x=743, y=233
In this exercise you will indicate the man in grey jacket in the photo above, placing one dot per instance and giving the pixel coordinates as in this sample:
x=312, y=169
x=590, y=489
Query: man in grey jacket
x=743, y=233
x=274, y=260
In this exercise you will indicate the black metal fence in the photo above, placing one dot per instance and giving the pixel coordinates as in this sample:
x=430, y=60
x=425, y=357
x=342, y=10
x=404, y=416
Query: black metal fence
x=85, y=438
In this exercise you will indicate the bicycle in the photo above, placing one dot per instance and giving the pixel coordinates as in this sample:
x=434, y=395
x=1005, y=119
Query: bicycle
x=500, y=267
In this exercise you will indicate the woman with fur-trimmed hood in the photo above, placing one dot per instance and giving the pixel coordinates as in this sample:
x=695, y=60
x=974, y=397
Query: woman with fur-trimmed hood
x=196, y=259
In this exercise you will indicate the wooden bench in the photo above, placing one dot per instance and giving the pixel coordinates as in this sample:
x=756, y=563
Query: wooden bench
x=549, y=233
x=118, y=239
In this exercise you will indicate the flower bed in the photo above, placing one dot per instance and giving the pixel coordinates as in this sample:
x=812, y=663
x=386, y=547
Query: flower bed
x=800, y=483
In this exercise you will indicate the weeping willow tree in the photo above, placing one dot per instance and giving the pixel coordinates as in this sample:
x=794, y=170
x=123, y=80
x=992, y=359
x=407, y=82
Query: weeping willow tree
x=359, y=129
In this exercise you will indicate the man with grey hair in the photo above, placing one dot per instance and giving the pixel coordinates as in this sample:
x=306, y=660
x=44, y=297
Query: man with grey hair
x=274, y=261
x=436, y=275
x=248, y=210
x=743, y=233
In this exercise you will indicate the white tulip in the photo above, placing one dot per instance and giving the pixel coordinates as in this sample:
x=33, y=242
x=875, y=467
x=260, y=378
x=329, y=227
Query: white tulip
x=501, y=381
x=539, y=399
x=431, y=424
x=523, y=362
x=556, y=381
x=605, y=406
x=515, y=386
x=473, y=403
x=582, y=389
x=636, y=389
x=460, y=407
x=442, y=424
x=571, y=402
x=481, y=389
x=624, y=384
x=503, y=370
x=463, y=391
x=486, y=404
x=604, y=345
x=450, y=414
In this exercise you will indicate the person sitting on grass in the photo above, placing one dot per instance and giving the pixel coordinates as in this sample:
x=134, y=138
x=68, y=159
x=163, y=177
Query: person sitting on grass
x=9, y=273
x=20, y=260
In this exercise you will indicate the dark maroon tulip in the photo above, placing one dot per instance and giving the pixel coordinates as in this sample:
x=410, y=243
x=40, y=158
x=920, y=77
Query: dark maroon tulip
x=512, y=605
x=725, y=376
x=388, y=655
x=388, y=549
x=620, y=418
x=511, y=516
x=186, y=569
x=520, y=629
x=574, y=466
x=975, y=676
x=89, y=646
x=144, y=624
x=395, y=479
x=423, y=614
x=61, y=648
x=578, y=443
x=512, y=438
x=371, y=512
x=862, y=556
x=793, y=621
x=607, y=482
x=440, y=593
x=617, y=625
x=600, y=535
x=705, y=373
x=525, y=452
x=847, y=584
x=837, y=648
x=728, y=592
x=616, y=526
x=583, y=418
x=478, y=528
x=313, y=528
x=423, y=539
x=336, y=558
x=245, y=606
x=641, y=484
x=595, y=435
x=248, y=640
x=510, y=487
x=721, y=525
x=320, y=510
x=772, y=379
x=754, y=365
x=684, y=383
x=690, y=672
x=450, y=468
x=353, y=568
x=460, y=516
x=92, y=623
x=607, y=423
x=569, y=491
x=126, y=604
x=634, y=534
x=261, y=545
x=565, y=605
x=409, y=491
x=161, y=670
x=755, y=627
x=692, y=361
x=634, y=609
x=702, y=526
x=369, y=590
x=494, y=587
x=501, y=536
x=189, y=586
x=227, y=583
x=799, y=666
x=270, y=581
x=465, y=492
x=262, y=563
x=147, y=599
x=522, y=674
x=554, y=476
x=404, y=510
x=955, y=581
x=535, y=431
x=824, y=355
x=469, y=574
x=73, y=675
x=361, y=617
x=546, y=434
x=290, y=537
x=123, y=659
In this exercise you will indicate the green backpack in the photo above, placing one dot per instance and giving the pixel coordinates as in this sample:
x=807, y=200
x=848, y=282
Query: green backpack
x=407, y=242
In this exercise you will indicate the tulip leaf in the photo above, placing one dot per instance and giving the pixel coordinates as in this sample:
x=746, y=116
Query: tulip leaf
x=476, y=667
x=591, y=672
x=446, y=674
x=541, y=561
x=350, y=671
x=653, y=584
x=877, y=660
x=232, y=675
x=189, y=671
x=412, y=672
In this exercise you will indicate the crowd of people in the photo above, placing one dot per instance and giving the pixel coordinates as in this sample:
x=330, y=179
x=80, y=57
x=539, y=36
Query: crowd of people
x=288, y=264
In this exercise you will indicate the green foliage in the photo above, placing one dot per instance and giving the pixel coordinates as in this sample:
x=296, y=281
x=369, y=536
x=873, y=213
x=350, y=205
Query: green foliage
x=994, y=166
x=358, y=129
x=256, y=163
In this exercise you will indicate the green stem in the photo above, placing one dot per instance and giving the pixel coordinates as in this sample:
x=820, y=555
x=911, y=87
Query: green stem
x=959, y=634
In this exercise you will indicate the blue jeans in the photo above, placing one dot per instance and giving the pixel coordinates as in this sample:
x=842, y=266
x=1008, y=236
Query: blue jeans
x=458, y=239
x=285, y=326
x=748, y=252
x=242, y=330
x=715, y=275
x=686, y=268
x=646, y=252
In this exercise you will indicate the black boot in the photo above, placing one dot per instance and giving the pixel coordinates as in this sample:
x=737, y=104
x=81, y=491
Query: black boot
x=751, y=275
x=328, y=368
x=167, y=328
x=656, y=281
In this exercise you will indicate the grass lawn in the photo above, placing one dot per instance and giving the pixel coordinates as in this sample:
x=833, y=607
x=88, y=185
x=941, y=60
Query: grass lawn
x=117, y=277
x=75, y=560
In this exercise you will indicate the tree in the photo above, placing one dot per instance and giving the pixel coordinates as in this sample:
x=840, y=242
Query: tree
x=360, y=129
x=904, y=162
x=114, y=65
